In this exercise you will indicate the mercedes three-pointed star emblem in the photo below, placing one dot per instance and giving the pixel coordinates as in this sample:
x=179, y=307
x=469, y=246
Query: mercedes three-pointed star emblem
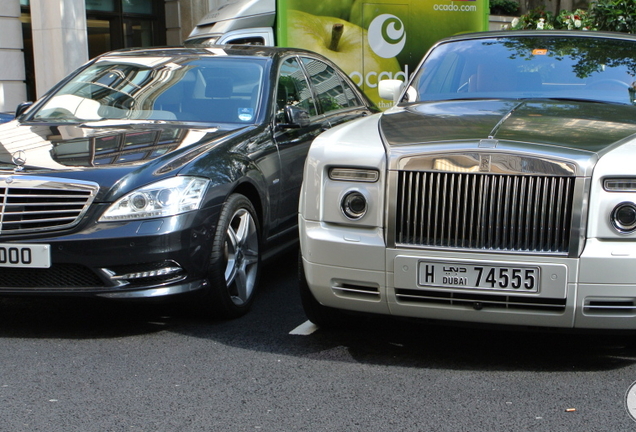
x=19, y=159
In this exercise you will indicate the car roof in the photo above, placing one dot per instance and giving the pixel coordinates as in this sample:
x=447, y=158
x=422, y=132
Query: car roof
x=214, y=50
x=541, y=33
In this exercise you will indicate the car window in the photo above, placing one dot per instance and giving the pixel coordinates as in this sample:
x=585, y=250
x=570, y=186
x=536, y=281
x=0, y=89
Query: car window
x=352, y=98
x=293, y=89
x=530, y=67
x=182, y=89
x=332, y=92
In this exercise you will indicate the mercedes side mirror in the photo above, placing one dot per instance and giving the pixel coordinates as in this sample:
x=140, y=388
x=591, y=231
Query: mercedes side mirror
x=295, y=118
x=22, y=108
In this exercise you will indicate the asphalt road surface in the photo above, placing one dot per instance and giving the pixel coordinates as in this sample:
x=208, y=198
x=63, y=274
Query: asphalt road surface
x=85, y=365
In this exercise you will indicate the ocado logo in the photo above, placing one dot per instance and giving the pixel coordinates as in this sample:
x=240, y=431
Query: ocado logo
x=387, y=35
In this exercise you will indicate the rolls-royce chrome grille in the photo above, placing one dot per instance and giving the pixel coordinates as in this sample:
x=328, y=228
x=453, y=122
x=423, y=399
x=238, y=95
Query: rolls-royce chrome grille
x=496, y=212
x=35, y=204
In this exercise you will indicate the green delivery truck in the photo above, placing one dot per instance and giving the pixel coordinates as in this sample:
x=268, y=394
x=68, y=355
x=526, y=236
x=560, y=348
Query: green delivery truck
x=370, y=40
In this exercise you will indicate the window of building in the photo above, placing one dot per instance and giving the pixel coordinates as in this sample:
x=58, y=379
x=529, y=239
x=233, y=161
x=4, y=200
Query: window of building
x=114, y=24
x=110, y=24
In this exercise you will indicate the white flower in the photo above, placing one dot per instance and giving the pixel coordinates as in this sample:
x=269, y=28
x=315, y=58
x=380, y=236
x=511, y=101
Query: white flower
x=540, y=24
x=577, y=23
x=514, y=22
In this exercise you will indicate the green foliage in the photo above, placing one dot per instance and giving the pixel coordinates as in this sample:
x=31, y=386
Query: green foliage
x=539, y=19
x=504, y=7
x=578, y=20
x=615, y=15
x=535, y=19
x=605, y=15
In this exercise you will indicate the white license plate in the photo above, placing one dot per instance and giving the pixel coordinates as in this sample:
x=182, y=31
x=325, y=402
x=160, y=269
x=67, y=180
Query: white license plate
x=25, y=255
x=464, y=275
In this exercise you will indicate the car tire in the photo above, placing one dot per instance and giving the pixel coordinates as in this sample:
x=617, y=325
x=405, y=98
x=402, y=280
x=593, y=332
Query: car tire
x=322, y=316
x=235, y=259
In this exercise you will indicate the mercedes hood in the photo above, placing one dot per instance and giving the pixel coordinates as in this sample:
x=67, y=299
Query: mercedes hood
x=104, y=151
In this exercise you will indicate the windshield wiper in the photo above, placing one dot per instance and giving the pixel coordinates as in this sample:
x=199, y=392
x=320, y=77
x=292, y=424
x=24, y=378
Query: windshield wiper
x=574, y=99
x=121, y=122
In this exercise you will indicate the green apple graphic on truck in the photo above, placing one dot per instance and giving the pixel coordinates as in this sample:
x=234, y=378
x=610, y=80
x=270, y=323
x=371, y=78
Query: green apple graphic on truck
x=334, y=8
x=378, y=39
x=426, y=21
x=341, y=41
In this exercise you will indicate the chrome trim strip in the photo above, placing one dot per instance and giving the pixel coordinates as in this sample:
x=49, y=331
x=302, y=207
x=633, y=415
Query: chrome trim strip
x=508, y=158
x=346, y=290
x=155, y=292
x=500, y=163
x=391, y=190
x=580, y=204
x=601, y=308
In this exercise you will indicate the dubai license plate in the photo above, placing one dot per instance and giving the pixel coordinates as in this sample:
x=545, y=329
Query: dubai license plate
x=25, y=255
x=488, y=277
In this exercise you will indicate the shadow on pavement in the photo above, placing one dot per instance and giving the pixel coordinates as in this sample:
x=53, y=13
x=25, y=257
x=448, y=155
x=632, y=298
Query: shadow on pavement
x=277, y=310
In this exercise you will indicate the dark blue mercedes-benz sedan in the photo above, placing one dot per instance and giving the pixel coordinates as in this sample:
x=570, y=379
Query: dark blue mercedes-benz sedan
x=156, y=172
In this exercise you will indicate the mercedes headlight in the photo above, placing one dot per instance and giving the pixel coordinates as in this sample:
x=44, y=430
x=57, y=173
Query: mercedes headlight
x=164, y=198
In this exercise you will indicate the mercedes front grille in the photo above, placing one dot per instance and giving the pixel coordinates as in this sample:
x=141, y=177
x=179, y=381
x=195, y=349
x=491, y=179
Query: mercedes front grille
x=34, y=204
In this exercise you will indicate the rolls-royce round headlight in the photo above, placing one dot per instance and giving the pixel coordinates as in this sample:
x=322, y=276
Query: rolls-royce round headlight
x=354, y=205
x=624, y=217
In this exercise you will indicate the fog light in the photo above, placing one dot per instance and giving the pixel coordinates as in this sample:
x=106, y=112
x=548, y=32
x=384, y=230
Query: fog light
x=161, y=272
x=354, y=205
x=624, y=217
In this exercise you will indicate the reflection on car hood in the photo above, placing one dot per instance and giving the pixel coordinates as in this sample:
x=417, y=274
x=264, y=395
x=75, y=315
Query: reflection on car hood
x=47, y=149
x=574, y=124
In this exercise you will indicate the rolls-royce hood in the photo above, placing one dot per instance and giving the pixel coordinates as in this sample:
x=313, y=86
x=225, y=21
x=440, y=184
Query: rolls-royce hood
x=579, y=125
x=101, y=152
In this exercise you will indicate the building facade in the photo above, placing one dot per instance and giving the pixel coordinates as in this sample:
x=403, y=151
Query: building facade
x=42, y=41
